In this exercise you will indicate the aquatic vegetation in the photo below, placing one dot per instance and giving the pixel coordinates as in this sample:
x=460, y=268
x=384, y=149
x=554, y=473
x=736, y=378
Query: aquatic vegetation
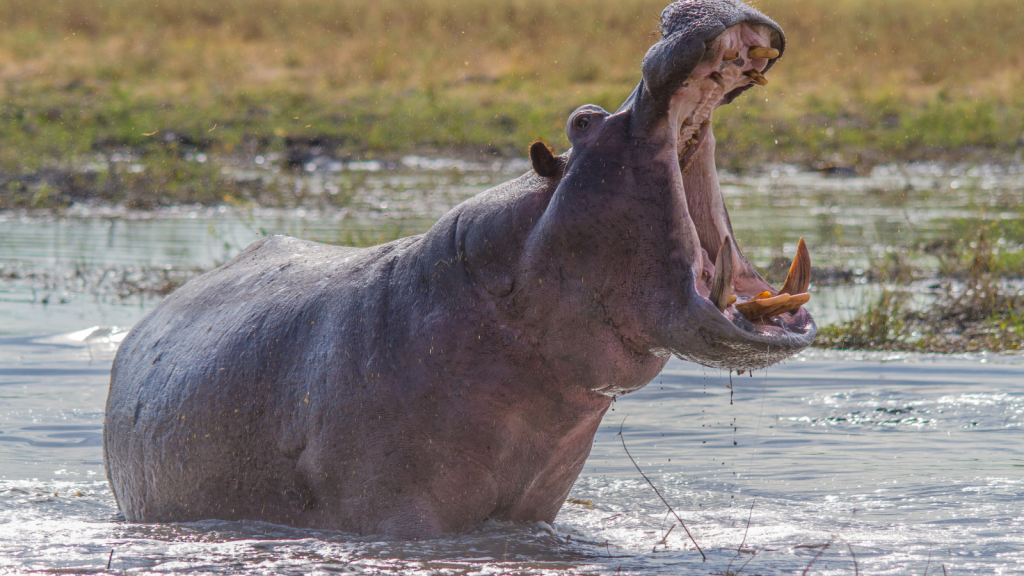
x=121, y=282
x=977, y=304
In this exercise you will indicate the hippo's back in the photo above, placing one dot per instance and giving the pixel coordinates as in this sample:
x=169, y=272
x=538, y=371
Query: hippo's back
x=200, y=414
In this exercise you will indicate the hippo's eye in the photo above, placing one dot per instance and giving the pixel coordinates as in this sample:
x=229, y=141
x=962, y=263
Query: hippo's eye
x=582, y=122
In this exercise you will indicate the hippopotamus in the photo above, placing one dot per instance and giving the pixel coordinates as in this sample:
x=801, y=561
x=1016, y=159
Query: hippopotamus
x=425, y=385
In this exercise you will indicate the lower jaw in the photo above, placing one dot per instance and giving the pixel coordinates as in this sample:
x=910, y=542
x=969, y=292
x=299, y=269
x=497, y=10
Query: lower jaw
x=778, y=314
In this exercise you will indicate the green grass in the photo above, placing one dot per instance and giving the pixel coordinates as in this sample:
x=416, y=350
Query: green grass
x=982, y=316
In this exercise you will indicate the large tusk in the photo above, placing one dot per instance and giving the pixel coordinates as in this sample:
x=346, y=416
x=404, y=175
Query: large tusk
x=721, y=286
x=799, y=278
x=762, y=52
x=731, y=54
x=796, y=301
x=794, y=291
x=762, y=307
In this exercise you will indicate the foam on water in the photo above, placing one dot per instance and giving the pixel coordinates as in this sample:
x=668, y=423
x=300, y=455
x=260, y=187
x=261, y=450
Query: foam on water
x=908, y=463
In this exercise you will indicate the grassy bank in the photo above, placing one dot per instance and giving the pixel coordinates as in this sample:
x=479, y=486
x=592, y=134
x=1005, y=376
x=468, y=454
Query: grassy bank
x=860, y=83
x=975, y=302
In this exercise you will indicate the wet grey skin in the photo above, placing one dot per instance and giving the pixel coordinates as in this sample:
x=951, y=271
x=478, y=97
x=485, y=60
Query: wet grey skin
x=425, y=385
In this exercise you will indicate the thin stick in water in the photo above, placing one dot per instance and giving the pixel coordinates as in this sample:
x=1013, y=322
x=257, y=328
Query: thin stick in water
x=665, y=539
x=856, y=569
x=653, y=487
x=739, y=549
x=816, y=556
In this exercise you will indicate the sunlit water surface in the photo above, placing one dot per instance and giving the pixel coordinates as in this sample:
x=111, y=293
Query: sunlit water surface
x=882, y=464
x=903, y=463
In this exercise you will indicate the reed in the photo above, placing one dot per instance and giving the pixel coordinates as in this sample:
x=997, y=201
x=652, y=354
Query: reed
x=977, y=306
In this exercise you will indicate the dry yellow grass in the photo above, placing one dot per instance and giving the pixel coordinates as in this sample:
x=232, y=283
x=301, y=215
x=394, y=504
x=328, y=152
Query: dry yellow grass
x=861, y=82
x=909, y=46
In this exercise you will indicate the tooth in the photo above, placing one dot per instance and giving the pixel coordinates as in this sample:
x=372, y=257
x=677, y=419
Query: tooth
x=687, y=121
x=762, y=52
x=762, y=307
x=731, y=54
x=796, y=301
x=717, y=78
x=794, y=291
x=757, y=77
x=799, y=278
x=767, y=303
x=721, y=285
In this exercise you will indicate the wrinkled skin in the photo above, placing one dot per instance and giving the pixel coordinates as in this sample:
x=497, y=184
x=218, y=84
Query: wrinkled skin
x=422, y=386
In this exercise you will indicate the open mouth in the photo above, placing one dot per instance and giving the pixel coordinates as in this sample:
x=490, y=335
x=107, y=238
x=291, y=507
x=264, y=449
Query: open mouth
x=734, y=61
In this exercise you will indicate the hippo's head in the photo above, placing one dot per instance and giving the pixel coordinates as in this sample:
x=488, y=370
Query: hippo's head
x=638, y=214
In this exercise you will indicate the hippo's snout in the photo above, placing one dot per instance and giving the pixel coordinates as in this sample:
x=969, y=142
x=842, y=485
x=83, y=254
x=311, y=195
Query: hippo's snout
x=745, y=322
x=711, y=52
x=697, y=37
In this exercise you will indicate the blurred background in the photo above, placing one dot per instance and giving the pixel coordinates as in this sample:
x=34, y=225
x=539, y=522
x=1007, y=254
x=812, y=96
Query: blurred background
x=861, y=83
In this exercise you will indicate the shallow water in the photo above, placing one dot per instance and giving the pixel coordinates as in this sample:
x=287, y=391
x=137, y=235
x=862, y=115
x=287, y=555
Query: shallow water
x=848, y=223
x=911, y=463
x=899, y=460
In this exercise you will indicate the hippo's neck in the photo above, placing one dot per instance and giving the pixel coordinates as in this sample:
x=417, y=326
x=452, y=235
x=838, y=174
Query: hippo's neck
x=497, y=288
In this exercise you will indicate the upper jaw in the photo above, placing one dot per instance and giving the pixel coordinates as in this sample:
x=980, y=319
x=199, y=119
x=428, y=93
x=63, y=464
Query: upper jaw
x=734, y=62
x=693, y=31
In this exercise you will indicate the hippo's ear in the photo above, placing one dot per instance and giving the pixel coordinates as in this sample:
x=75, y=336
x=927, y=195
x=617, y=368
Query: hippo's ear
x=545, y=163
